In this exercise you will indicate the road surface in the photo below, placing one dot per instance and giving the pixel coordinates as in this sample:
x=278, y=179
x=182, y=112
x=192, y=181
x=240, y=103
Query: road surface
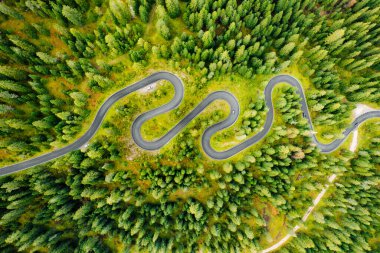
x=174, y=103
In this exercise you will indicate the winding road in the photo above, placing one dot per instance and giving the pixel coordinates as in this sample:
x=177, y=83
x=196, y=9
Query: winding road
x=174, y=103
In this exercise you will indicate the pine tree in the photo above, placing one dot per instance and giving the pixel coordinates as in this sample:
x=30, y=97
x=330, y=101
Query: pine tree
x=173, y=8
x=5, y=109
x=227, y=167
x=12, y=86
x=163, y=29
x=72, y=15
x=336, y=35
x=13, y=73
x=144, y=13
x=207, y=39
x=120, y=11
x=286, y=50
x=42, y=124
x=5, y=9
x=46, y=58
x=17, y=124
x=23, y=44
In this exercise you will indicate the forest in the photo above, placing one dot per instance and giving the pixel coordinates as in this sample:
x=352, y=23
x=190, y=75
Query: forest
x=60, y=59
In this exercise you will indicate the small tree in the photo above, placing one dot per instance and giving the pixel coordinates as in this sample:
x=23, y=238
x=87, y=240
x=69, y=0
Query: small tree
x=5, y=9
x=335, y=36
x=72, y=15
x=285, y=51
x=144, y=13
x=163, y=29
x=207, y=39
x=173, y=8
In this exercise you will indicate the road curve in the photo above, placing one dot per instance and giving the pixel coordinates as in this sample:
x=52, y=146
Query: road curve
x=179, y=92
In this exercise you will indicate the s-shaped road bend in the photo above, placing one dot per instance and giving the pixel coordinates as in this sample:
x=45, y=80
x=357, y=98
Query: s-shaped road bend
x=174, y=103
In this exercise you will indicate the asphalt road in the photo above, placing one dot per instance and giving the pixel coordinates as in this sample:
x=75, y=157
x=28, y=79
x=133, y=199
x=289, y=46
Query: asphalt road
x=179, y=92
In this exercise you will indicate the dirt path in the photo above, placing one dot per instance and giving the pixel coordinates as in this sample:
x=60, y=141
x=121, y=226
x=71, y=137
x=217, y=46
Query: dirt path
x=304, y=218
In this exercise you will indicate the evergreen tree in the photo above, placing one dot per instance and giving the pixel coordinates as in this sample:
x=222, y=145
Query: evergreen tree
x=173, y=8
x=73, y=15
x=7, y=10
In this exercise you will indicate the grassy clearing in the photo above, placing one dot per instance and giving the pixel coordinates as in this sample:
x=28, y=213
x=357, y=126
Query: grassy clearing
x=367, y=132
x=276, y=226
x=244, y=90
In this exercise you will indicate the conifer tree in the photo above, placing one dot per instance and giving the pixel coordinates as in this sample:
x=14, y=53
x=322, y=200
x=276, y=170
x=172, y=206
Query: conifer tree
x=7, y=10
x=72, y=15
x=173, y=8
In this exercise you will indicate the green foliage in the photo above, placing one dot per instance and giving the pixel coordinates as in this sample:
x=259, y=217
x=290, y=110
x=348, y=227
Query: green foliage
x=354, y=198
x=163, y=29
x=80, y=99
x=207, y=39
x=120, y=12
x=12, y=86
x=46, y=58
x=110, y=197
x=13, y=73
x=173, y=8
x=7, y=10
x=72, y=15
x=144, y=13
